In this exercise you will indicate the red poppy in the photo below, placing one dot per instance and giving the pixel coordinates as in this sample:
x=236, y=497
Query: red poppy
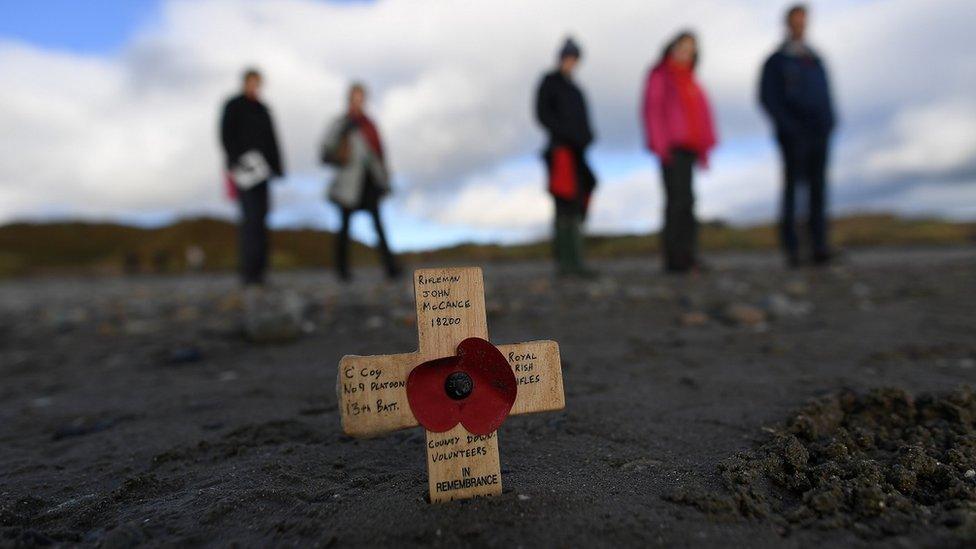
x=476, y=387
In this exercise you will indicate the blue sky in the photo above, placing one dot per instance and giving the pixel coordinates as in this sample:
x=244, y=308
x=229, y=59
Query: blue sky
x=99, y=27
x=108, y=107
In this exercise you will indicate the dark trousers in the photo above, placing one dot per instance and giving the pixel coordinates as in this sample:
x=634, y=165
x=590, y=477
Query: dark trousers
x=342, y=246
x=254, y=233
x=679, y=239
x=804, y=164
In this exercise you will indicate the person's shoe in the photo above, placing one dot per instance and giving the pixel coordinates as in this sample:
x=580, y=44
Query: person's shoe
x=822, y=259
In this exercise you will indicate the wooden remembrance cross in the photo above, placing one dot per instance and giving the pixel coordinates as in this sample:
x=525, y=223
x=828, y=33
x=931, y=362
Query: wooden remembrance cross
x=373, y=395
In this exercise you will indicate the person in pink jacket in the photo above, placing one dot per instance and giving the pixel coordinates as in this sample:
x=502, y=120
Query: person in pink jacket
x=679, y=131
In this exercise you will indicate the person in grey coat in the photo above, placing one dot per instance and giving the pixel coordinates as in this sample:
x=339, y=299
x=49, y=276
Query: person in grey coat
x=353, y=147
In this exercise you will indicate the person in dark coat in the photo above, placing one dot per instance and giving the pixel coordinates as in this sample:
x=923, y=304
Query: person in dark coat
x=252, y=159
x=561, y=110
x=795, y=93
x=353, y=146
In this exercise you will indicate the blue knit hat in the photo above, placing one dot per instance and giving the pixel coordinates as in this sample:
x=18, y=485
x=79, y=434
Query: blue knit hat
x=570, y=49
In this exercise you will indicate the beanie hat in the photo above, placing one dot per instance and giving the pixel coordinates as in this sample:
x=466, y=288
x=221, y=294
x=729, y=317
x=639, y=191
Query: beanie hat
x=570, y=49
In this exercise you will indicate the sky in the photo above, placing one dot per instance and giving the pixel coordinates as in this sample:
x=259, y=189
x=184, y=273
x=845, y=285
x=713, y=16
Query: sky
x=108, y=109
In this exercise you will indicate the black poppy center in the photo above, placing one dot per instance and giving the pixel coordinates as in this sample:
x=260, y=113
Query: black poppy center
x=458, y=385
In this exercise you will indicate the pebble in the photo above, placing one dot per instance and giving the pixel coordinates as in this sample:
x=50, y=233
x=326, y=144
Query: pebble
x=747, y=315
x=637, y=292
x=693, y=319
x=273, y=316
x=731, y=286
x=970, y=473
x=523, y=497
x=604, y=287
x=374, y=322
x=185, y=355
x=187, y=313
x=781, y=306
x=861, y=290
x=796, y=288
x=140, y=327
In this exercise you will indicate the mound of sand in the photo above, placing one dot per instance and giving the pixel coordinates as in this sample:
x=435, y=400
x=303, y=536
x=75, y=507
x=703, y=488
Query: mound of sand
x=880, y=464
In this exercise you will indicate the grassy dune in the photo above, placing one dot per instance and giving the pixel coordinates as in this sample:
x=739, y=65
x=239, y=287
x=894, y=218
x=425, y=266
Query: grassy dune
x=105, y=248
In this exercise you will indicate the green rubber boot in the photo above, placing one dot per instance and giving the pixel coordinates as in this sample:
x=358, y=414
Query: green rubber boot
x=562, y=246
x=576, y=246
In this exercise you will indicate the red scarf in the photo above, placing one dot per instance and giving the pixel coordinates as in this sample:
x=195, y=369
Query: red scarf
x=690, y=97
x=370, y=132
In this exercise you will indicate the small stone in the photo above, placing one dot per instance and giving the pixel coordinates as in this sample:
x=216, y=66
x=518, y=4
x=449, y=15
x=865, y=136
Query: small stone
x=494, y=307
x=693, y=319
x=140, y=327
x=374, y=322
x=523, y=497
x=185, y=355
x=229, y=303
x=601, y=288
x=229, y=375
x=746, y=315
x=780, y=306
x=273, y=316
x=970, y=473
x=731, y=286
x=187, y=313
x=637, y=292
x=663, y=293
x=796, y=288
x=861, y=290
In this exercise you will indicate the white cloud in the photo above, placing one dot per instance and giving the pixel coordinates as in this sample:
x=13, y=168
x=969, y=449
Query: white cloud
x=507, y=198
x=938, y=138
x=452, y=87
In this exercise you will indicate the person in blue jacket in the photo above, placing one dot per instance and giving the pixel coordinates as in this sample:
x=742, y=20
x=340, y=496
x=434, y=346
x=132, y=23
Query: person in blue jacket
x=795, y=93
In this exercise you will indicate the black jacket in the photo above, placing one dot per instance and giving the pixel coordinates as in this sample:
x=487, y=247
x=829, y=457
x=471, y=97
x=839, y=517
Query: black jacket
x=561, y=109
x=246, y=125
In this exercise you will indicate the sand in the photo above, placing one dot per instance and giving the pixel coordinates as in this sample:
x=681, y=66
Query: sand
x=132, y=411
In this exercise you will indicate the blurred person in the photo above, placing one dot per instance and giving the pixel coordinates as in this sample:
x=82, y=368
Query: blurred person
x=678, y=129
x=252, y=159
x=795, y=93
x=353, y=146
x=561, y=110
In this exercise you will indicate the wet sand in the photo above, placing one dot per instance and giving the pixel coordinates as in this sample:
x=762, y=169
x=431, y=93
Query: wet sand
x=133, y=411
